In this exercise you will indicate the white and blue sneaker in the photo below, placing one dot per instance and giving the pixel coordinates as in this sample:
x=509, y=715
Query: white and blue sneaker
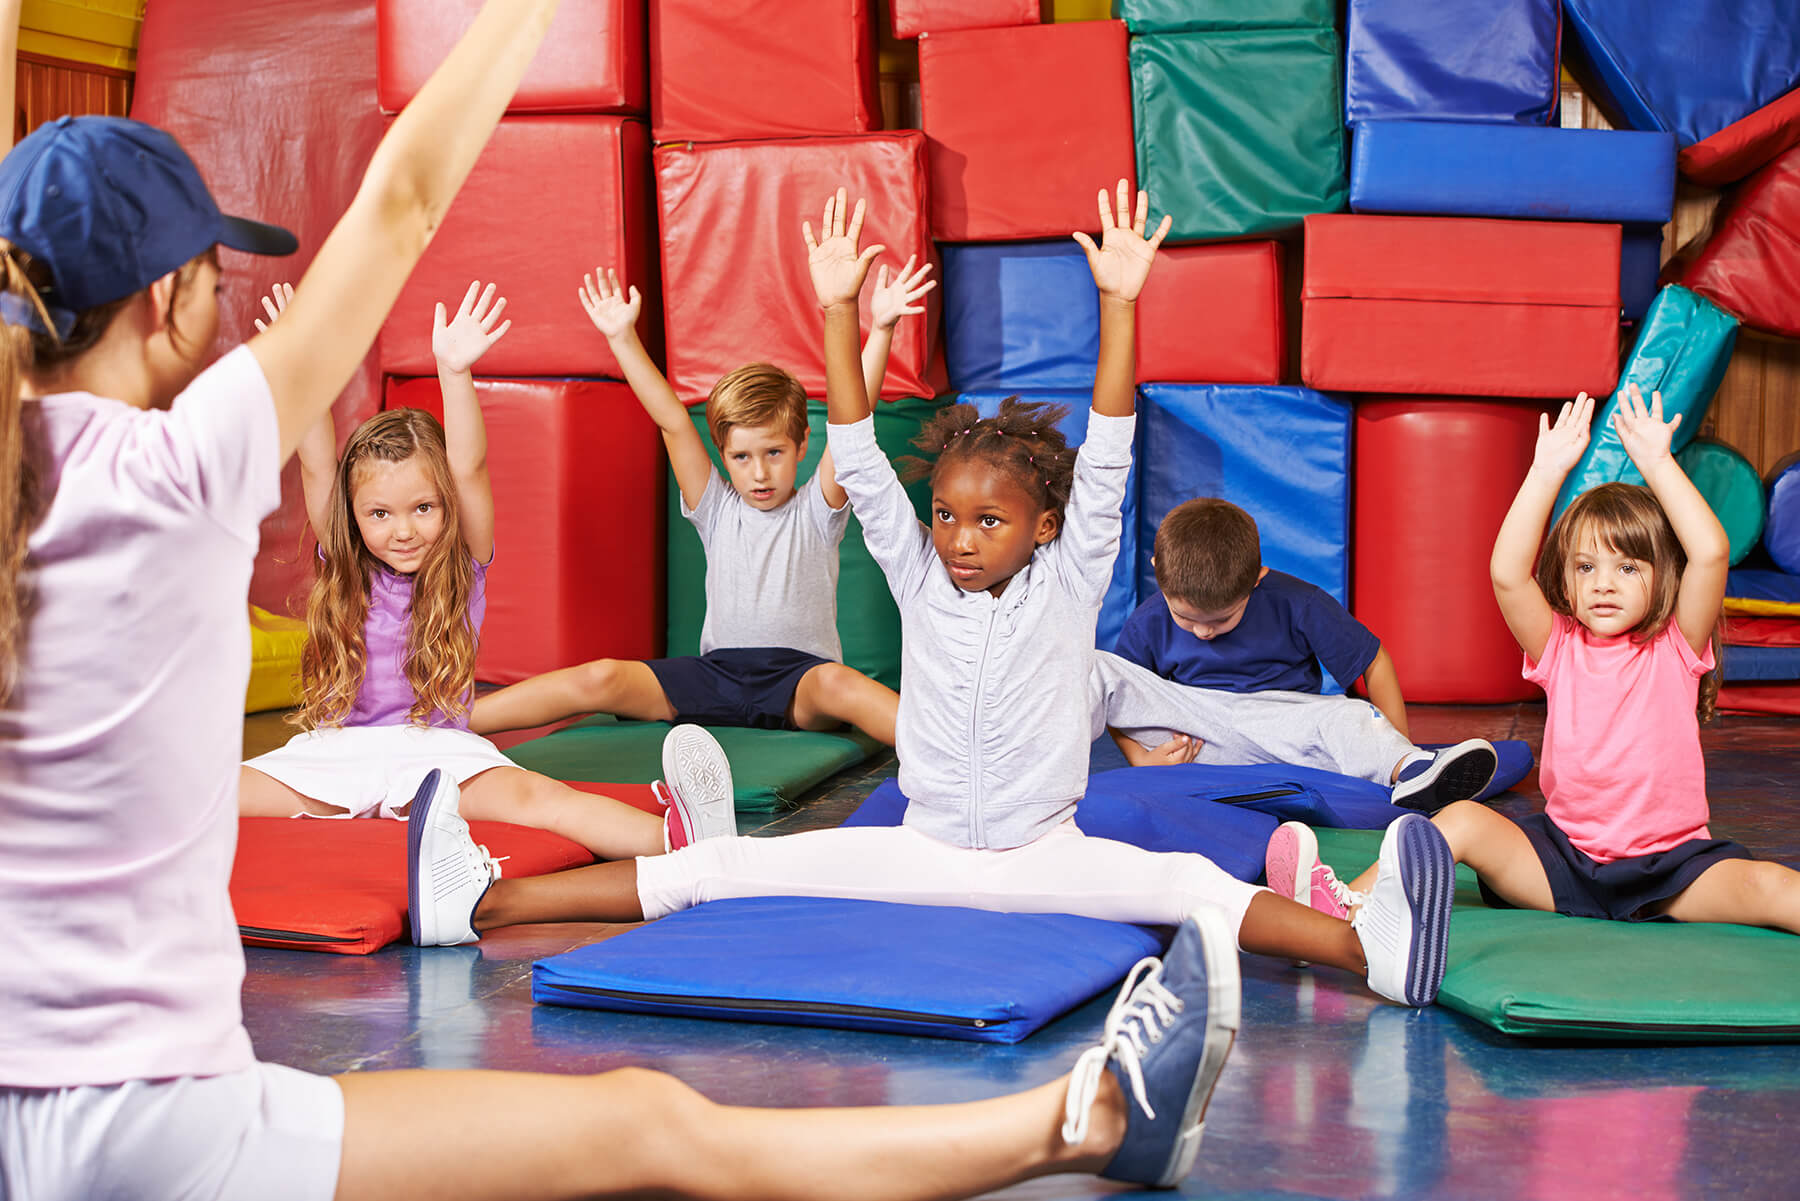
x=1404, y=922
x=1166, y=1040
x=447, y=874
x=1430, y=780
x=696, y=788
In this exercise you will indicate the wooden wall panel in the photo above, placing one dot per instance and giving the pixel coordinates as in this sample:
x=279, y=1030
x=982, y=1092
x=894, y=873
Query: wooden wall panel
x=49, y=88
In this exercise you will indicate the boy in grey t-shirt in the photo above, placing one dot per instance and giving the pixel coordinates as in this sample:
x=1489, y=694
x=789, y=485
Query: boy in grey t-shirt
x=769, y=652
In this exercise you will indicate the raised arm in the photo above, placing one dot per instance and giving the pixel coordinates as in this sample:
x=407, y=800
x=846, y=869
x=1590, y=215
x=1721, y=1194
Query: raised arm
x=1511, y=567
x=9, y=68
x=458, y=344
x=1120, y=263
x=838, y=271
x=318, y=449
x=614, y=311
x=345, y=295
x=1646, y=438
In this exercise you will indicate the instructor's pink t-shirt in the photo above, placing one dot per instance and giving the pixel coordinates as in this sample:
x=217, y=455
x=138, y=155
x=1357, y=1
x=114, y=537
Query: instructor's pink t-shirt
x=1622, y=773
x=119, y=748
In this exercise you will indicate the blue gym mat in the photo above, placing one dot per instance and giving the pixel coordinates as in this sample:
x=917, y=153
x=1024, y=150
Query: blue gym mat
x=1020, y=315
x=1490, y=62
x=1751, y=664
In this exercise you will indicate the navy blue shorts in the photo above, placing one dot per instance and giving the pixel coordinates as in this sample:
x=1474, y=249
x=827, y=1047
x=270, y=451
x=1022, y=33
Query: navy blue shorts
x=740, y=686
x=1623, y=890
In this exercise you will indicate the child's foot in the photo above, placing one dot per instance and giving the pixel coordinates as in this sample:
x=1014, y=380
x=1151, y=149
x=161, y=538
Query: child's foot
x=1292, y=862
x=1404, y=923
x=1165, y=1040
x=1456, y=773
x=696, y=788
x=446, y=873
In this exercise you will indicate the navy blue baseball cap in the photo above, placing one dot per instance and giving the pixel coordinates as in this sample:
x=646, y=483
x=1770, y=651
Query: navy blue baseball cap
x=108, y=206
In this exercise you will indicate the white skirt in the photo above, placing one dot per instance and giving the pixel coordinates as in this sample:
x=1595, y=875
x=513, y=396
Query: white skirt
x=373, y=770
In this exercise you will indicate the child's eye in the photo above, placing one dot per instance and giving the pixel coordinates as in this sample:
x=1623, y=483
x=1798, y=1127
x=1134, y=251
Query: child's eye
x=1629, y=568
x=378, y=514
x=989, y=521
x=774, y=454
x=942, y=515
x=426, y=507
x=1583, y=568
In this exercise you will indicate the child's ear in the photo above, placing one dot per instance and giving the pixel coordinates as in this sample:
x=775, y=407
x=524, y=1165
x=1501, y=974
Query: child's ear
x=1259, y=575
x=1049, y=522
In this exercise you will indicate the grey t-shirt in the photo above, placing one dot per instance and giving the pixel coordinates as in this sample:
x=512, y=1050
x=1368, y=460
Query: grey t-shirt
x=771, y=577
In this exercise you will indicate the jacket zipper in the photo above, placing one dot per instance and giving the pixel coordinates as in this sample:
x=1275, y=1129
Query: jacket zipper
x=977, y=826
x=741, y=1003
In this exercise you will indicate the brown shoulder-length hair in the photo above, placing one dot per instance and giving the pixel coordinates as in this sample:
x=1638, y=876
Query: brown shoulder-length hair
x=1625, y=518
x=440, y=643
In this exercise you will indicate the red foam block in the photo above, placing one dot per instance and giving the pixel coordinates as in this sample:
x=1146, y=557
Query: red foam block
x=1213, y=315
x=592, y=60
x=1433, y=482
x=1026, y=125
x=1779, y=697
x=1750, y=267
x=577, y=472
x=1430, y=305
x=762, y=68
x=736, y=283
x=550, y=198
x=1745, y=144
x=913, y=17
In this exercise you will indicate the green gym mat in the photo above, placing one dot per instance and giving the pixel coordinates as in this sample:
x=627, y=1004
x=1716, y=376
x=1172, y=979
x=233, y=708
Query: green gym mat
x=1212, y=16
x=1541, y=975
x=769, y=768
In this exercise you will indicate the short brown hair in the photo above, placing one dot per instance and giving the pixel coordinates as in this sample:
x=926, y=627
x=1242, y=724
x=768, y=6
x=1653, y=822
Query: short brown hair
x=756, y=394
x=1208, y=554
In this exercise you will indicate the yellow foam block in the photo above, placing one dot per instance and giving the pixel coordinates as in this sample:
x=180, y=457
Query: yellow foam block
x=275, y=646
x=1747, y=607
x=101, y=32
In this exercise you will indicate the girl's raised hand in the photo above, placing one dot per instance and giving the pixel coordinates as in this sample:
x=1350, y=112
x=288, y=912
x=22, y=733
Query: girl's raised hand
x=895, y=298
x=837, y=268
x=612, y=309
x=460, y=342
x=1559, y=446
x=274, y=304
x=1644, y=434
x=1121, y=263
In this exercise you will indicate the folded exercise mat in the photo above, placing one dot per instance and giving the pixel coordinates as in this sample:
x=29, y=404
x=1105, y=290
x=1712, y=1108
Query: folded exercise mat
x=1682, y=349
x=1452, y=62
x=1448, y=168
x=935, y=971
x=769, y=768
x=275, y=646
x=736, y=292
x=1122, y=595
x=1640, y=265
x=340, y=886
x=1542, y=975
x=1423, y=535
x=1018, y=149
x=1730, y=485
x=592, y=60
x=1690, y=69
x=1239, y=133
x=910, y=18
x=1756, y=592
x=1745, y=144
x=1213, y=314
x=1781, y=531
x=1780, y=698
x=1460, y=305
x=1757, y=664
x=1212, y=16
x=1283, y=454
x=1751, y=264
x=1762, y=631
x=867, y=621
x=1020, y=315
x=580, y=184
x=553, y=561
x=793, y=68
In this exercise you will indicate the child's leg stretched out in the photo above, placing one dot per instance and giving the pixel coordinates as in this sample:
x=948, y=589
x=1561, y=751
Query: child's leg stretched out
x=622, y=687
x=1754, y=892
x=832, y=694
x=609, y=828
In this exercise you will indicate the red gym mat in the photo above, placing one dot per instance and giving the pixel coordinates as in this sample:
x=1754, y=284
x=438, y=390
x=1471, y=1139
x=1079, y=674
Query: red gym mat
x=1213, y=314
x=1745, y=144
x=550, y=198
x=734, y=265
x=1750, y=266
x=578, y=552
x=1762, y=631
x=592, y=60
x=1782, y=699
x=910, y=18
x=1065, y=95
x=762, y=69
x=1433, y=305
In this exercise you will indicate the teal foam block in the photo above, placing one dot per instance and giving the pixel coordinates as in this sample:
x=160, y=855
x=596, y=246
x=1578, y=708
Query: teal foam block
x=1212, y=16
x=1729, y=483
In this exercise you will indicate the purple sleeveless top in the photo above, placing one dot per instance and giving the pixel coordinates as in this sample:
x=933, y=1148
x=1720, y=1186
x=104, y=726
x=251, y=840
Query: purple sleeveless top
x=386, y=698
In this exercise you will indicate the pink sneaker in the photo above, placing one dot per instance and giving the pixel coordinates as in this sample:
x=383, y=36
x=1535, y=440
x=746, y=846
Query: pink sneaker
x=1292, y=862
x=695, y=790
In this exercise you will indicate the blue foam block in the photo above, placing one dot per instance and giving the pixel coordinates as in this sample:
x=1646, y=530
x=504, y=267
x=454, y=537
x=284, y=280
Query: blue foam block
x=1746, y=664
x=1495, y=61
x=1121, y=597
x=1513, y=761
x=1640, y=263
x=1781, y=531
x=1690, y=68
x=1440, y=168
x=1754, y=583
x=1020, y=315
x=937, y=971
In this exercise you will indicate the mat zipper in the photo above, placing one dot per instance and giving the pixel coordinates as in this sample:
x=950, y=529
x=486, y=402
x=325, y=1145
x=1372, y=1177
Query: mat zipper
x=291, y=935
x=743, y=1003
x=1652, y=1027
x=1248, y=797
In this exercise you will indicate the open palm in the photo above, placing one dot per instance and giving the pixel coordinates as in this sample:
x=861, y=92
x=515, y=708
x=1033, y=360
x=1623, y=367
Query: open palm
x=1121, y=262
x=458, y=343
x=837, y=268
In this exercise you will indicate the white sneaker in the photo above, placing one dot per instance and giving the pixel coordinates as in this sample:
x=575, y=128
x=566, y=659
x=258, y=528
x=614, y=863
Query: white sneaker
x=1456, y=773
x=1404, y=924
x=698, y=792
x=447, y=874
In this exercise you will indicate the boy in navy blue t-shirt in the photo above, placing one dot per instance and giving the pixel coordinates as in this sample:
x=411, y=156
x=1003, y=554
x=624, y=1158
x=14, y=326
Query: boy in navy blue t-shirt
x=1229, y=653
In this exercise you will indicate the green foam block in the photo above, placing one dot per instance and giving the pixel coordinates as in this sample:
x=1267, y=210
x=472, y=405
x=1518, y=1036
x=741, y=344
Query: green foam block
x=1730, y=485
x=1182, y=16
x=769, y=768
x=1542, y=975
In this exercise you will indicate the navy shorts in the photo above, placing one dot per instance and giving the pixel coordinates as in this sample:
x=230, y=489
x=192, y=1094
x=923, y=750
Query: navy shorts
x=740, y=686
x=1623, y=890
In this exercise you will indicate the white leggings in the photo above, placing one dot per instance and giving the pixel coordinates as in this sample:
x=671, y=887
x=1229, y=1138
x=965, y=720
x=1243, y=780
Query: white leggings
x=1065, y=871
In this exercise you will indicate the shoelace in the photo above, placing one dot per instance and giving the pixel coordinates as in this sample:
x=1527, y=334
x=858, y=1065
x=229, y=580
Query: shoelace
x=1346, y=896
x=1138, y=1018
x=487, y=861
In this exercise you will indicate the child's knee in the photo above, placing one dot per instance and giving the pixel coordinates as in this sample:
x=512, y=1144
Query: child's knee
x=601, y=680
x=1459, y=821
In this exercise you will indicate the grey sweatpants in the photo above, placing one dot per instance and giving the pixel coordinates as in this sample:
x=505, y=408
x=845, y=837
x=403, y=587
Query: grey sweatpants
x=1332, y=733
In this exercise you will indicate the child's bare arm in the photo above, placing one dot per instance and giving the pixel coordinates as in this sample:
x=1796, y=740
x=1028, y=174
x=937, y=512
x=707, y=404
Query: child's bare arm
x=318, y=448
x=458, y=344
x=1511, y=568
x=614, y=309
x=838, y=270
x=1383, y=683
x=1647, y=439
x=1121, y=264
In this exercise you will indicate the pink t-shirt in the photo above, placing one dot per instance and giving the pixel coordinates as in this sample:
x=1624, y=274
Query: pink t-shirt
x=1622, y=773
x=119, y=749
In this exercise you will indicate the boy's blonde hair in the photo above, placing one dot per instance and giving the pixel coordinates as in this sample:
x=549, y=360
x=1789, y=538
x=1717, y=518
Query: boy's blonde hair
x=756, y=394
x=1208, y=554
